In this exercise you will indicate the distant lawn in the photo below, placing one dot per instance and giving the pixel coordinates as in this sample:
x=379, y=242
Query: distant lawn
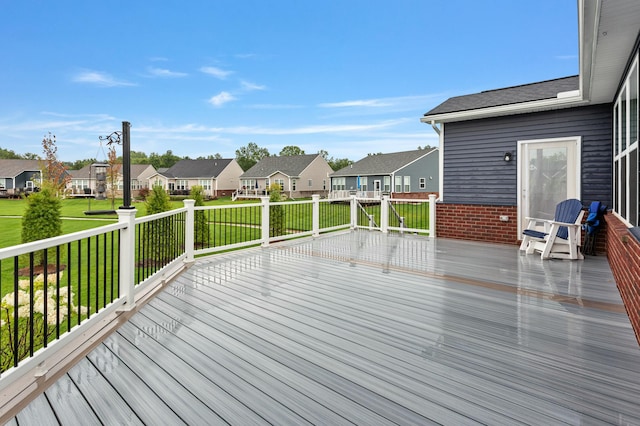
x=75, y=207
x=11, y=229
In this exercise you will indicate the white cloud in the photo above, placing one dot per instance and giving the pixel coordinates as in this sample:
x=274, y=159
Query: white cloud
x=161, y=72
x=100, y=79
x=566, y=57
x=248, y=86
x=216, y=72
x=358, y=103
x=274, y=106
x=221, y=99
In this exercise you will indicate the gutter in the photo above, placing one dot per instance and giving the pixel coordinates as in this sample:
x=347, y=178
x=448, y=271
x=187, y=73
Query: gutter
x=563, y=100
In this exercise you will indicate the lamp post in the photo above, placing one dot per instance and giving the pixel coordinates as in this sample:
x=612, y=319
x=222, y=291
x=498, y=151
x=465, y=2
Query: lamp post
x=122, y=138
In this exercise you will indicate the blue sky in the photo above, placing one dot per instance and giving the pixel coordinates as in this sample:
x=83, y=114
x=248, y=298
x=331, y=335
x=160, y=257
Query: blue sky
x=204, y=77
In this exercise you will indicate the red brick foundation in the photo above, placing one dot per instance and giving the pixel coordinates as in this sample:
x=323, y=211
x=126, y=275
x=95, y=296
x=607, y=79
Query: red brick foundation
x=477, y=222
x=623, y=252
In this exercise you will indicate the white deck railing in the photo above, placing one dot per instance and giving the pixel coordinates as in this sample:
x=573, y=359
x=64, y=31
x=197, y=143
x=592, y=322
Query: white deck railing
x=111, y=268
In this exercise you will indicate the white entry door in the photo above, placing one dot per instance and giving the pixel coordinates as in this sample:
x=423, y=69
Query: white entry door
x=548, y=172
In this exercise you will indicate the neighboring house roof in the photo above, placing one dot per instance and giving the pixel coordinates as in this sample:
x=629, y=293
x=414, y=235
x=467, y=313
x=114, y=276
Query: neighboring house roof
x=381, y=164
x=83, y=173
x=289, y=165
x=12, y=168
x=507, y=96
x=197, y=168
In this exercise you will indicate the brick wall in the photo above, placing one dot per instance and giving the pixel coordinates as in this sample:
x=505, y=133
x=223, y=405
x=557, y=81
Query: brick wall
x=623, y=251
x=477, y=222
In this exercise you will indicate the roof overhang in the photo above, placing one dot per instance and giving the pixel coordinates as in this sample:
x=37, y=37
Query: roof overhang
x=607, y=30
x=564, y=100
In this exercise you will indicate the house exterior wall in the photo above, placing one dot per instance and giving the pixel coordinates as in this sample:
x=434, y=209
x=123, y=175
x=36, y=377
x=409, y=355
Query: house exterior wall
x=317, y=171
x=474, y=169
x=22, y=179
x=229, y=179
x=425, y=167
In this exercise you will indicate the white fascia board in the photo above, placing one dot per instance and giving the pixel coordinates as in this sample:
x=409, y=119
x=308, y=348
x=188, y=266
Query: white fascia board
x=502, y=110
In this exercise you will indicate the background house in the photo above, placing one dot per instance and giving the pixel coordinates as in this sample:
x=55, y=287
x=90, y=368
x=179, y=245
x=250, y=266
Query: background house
x=408, y=174
x=218, y=177
x=18, y=176
x=83, y=181
x=573, y=137
x=298, y=176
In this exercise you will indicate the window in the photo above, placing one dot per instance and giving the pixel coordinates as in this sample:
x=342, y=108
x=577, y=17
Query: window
x=205, y=184
x=398, y=184
x=293, y=185
x=626, y=117
x=310, y=183
x=338, y=184
x=423, y=183
x=172, y=186
x=135, y=184
x=248, y=183
x=363, y=183
x=158, y=182
x=387, y=184
x=324, y=184
x=78, y=184
x=182, y=184
x=279, y=182
x=407, y=184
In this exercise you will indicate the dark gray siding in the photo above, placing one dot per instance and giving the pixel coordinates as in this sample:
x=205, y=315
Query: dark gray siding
x=474, y=169
x=22, y=178
x=426, y=167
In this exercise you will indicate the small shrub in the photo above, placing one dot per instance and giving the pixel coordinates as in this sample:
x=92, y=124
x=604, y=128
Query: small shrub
x=201, y=226
x=276, y=213
x=42, y=218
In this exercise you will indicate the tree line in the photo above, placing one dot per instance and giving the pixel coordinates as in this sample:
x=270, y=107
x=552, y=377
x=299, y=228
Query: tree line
x=246, y=156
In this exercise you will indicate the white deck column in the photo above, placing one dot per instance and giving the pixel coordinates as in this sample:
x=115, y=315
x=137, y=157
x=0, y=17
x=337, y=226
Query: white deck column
x=189, y=229
x=432, y=215
x=265, y=221
x=384, y=214
x=315, y=215
x=354, y=212
x=127, y=256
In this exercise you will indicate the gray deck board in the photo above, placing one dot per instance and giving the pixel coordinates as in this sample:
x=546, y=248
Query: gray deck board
x=365, y=328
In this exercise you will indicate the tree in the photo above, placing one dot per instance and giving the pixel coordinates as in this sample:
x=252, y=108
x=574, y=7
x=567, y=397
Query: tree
x=138, y=157
x=7, y=154
x=291, y=150
x=42, y=218
x=159, y=234
x=201, y=227
x=53, y=171
x=78, y=164
x=426, y=147
x=324, y=154
x=339, y=163
x=216, y=156
x=113, y=172
x=249, y=155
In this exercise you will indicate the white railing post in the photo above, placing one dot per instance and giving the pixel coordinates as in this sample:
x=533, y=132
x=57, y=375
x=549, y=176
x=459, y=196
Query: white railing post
x=384, y=214
x=432, y=215
x=265, y=221
x=315, y=215
x=189, y=229
x=354, y=212
x=127, y=256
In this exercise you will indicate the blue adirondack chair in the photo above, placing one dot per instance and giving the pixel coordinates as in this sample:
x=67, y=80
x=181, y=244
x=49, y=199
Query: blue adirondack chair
x=592, y=226
x=557, y=238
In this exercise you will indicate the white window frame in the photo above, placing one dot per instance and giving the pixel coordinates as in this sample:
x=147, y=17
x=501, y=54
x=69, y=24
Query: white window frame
x=386, y=185
x=364, y=183
x=626, y=149
x=398, y=184
x=406, y=184
x=423, y=183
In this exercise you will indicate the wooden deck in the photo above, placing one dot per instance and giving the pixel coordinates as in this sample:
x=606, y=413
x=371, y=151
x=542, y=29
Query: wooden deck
x=365, y=328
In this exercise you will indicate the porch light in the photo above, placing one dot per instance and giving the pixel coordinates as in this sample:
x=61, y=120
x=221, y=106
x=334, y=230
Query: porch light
x=507, y=156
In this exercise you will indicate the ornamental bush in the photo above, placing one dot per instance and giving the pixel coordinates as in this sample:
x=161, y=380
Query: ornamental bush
x=201, y=227
x=42, y=218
